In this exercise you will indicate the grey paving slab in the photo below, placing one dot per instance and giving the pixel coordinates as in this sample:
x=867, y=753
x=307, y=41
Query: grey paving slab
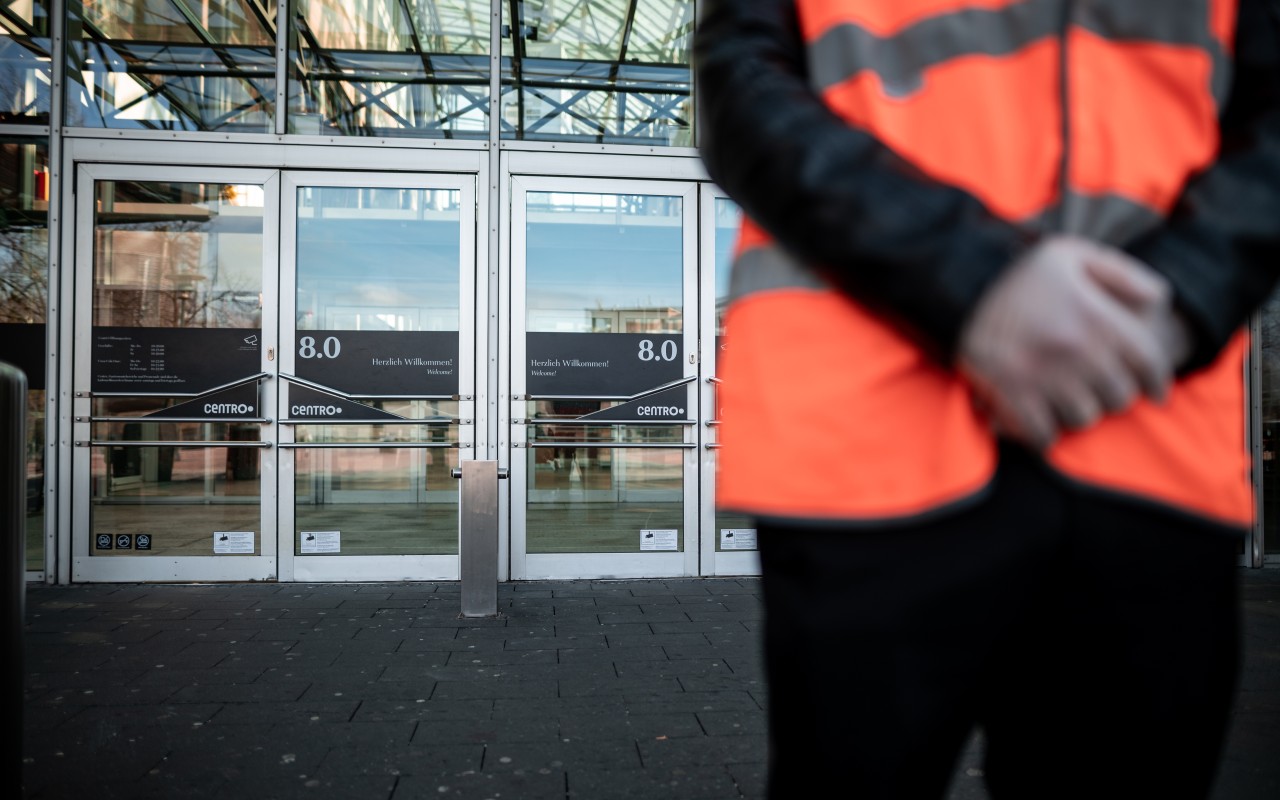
x=303, y=786
x=612, y=753
x=539, y=785
x=493, y=689
x=611, y=655
x=581, y=689
x=400, y=760
x=490, y=730
x=269, y=713
x=630, y=724
x=620, y=686
x=686, y=783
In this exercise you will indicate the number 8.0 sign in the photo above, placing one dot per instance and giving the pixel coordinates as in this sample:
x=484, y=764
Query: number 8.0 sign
x=380, y=363
x=601, y=364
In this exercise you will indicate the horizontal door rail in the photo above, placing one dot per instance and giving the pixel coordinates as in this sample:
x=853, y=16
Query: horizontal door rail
x=232, y=385
x=320, y=387
x=367, y=445
x=610, y=445
x=438, y=422
x=170, y=443
x=602, y=422
x=262, y=420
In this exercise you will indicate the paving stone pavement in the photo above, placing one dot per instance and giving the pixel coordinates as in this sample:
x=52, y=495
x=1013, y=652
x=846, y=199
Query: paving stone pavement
x=581, y=690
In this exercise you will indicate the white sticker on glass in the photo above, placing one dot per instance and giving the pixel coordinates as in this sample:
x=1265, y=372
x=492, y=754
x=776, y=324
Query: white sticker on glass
x=659, y=539
x=737, y=538
x=321, y=542
x=233, y=542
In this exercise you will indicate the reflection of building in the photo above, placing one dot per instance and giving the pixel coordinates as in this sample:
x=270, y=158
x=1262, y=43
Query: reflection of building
x=636, y=320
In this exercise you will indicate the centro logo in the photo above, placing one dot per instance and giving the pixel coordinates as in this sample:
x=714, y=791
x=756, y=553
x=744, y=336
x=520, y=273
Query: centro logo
x=316, y=411
x=659, y=411
x=227, y=408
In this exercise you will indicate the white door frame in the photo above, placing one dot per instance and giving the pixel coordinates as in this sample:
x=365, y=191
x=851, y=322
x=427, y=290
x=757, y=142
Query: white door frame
x=714, y=562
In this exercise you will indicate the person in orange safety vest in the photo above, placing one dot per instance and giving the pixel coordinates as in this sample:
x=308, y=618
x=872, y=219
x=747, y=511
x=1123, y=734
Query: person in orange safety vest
x=983, y=387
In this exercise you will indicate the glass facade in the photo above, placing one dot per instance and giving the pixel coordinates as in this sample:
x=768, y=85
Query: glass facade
x=389, y=68
x=25, y=57
x=598, y=71
x=172, y=65
x=601, y=71
x=24, y=304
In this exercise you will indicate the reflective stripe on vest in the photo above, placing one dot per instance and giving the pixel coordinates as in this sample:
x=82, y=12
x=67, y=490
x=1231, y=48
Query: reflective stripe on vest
x=837, y=415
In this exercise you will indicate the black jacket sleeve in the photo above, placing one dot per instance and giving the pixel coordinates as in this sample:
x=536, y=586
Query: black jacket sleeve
x=1220, y=247
x=918, y=250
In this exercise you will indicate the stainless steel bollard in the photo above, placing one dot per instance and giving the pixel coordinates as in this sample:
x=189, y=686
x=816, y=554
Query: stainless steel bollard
x=13, y=522
x=478, y=537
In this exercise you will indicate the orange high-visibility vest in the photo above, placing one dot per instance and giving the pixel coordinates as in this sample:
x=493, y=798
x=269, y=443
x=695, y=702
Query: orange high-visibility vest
x=828, y=411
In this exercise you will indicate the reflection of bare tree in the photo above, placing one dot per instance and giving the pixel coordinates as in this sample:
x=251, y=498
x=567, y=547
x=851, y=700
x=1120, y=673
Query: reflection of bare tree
x=24, y=267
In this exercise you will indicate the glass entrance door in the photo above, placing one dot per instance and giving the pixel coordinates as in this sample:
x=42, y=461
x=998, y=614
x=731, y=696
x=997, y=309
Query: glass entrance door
x=377, y=398
x=274, y=373
x=175, y=277
x=603, y=378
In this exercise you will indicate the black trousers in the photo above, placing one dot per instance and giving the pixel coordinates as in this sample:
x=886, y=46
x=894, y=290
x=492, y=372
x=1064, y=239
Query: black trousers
x=1094, y=640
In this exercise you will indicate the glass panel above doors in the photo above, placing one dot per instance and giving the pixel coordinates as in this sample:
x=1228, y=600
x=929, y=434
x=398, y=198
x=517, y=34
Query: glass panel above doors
x=389, y=68
x=599, y=71
x=603, y=71
x=25, y=50
x=172, y=65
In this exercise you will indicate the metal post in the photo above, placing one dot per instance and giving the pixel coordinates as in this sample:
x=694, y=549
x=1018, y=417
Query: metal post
x=13, y=518
x=478, y=537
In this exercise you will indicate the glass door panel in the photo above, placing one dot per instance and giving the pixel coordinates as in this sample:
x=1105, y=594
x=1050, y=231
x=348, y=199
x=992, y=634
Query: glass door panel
x=378, y=306
x=174, y=295
x=603, y=375
x=729, y=548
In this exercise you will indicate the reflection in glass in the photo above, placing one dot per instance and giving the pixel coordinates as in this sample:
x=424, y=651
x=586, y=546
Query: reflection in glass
x=171, y=65
x=383, y=500
x=24, y=62
x=177, y=255
x=378, y=259
x=727, y=219
x=177, y=497
x=389, y=68
x=24, y=293
x=603, y=263
x=1270, y=368
x=603, y=499
x=606, y=71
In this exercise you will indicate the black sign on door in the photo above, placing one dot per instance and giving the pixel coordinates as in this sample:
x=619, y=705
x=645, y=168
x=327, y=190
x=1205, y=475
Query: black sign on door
x=382, y=363
x=178, y=361
x=601, y=364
